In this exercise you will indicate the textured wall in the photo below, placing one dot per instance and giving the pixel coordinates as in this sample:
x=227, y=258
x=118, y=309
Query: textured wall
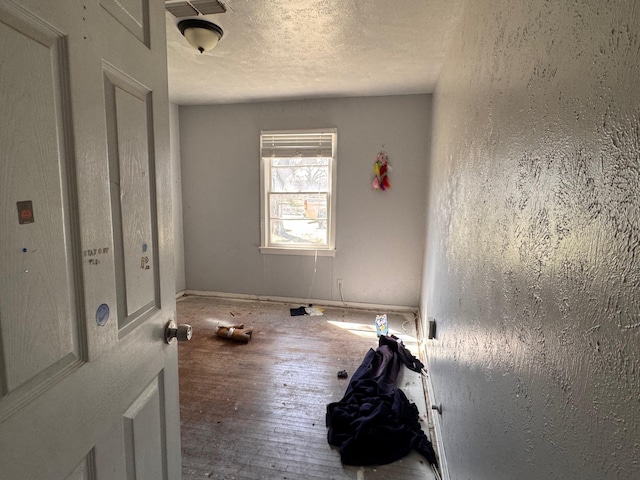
x=379, y=235
x=532, y=265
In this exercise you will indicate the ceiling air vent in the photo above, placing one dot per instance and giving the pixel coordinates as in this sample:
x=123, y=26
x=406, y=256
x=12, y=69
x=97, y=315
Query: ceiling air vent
x=182, y=8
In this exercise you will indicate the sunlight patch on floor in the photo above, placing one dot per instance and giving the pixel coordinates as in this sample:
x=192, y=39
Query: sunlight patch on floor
x=369, y=331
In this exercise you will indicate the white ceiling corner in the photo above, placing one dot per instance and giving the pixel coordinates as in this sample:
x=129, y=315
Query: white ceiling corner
x=291, y=49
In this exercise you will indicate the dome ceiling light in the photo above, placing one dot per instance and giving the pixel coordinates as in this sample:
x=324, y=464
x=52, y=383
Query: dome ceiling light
x=201, y=34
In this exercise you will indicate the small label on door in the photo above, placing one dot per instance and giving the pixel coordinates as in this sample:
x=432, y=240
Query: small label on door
x=25, y=212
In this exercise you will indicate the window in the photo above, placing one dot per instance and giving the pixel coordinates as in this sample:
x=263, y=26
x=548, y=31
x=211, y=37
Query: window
x=298, y=179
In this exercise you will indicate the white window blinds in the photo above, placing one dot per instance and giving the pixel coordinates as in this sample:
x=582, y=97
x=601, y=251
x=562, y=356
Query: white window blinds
x=306, y=144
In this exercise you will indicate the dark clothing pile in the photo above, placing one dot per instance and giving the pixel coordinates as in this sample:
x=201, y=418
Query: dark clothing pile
x=395, y=344
x=374, y=423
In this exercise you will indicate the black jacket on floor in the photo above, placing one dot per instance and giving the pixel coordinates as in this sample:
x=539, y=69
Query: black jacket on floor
x=374, y=423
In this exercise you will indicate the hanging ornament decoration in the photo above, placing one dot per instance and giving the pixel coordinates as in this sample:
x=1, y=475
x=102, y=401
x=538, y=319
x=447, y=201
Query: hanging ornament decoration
x=381, y=171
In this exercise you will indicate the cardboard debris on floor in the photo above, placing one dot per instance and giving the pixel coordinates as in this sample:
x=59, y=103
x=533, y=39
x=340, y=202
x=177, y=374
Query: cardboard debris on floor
x=235, y=332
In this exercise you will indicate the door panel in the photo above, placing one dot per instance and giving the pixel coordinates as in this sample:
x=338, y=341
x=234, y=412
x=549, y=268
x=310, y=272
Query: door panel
x=81, y=472
x=131, y=173
x=39, y=328
x=143, y=436
x=132, y=450
x=84, y=137
x=132, y=14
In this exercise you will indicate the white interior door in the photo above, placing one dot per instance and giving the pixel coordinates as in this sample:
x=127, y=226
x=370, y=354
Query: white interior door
x=88, y=388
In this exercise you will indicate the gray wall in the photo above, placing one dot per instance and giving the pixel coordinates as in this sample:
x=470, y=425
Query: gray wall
x=532, y=265
x=379, y=236
x=176, y=196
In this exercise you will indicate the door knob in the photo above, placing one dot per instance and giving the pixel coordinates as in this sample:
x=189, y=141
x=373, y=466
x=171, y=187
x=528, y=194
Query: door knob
x=181, y=332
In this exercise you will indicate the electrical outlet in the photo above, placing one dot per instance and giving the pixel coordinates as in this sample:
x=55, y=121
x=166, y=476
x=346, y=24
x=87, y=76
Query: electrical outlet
x=339, y=283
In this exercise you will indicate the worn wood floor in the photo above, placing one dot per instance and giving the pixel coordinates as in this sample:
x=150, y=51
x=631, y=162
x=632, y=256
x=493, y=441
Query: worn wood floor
x=257, y=410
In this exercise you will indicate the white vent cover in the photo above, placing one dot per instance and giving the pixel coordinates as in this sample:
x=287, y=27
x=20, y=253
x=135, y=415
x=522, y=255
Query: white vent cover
x=189, y=8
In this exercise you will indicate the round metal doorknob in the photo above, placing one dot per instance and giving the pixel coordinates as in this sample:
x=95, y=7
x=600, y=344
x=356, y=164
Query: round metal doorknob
x=181, y=332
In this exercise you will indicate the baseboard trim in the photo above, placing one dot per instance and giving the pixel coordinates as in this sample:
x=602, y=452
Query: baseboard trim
x=430, y=397
x=325, y=303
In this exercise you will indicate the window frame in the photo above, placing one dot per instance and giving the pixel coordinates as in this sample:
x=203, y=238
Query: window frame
x=266, y=246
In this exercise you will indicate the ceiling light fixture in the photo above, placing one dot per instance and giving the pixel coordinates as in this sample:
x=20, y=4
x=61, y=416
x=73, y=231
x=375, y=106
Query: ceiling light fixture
x=201, y=34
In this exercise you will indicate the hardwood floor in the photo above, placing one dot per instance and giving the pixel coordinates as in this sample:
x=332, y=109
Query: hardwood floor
x=257, y=410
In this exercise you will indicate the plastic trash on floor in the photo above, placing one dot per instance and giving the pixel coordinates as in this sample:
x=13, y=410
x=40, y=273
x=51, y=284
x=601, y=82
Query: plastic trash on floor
x=382, y=325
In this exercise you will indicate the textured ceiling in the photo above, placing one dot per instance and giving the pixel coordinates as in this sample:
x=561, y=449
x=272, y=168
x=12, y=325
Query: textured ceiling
x=291, y=49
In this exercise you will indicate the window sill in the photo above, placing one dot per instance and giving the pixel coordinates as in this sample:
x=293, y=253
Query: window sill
x=325, y=252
